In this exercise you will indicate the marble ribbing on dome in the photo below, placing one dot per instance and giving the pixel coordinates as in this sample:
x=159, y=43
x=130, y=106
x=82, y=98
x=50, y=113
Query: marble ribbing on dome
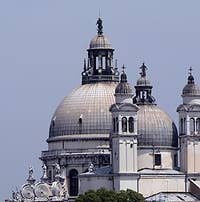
x=155, y=127
x=85, y=111
x=100, y=42
x=123, y=88
x=143, y=81
x=191, y=90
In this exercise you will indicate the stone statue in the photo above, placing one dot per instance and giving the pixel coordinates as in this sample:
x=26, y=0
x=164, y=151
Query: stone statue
x=44, y=167
x=91, y=167
x=57, y=169
x=30, y=179
x=30, y=172
x=99, y=26
x=144, y=69
x=44, y=177
x=56, y=188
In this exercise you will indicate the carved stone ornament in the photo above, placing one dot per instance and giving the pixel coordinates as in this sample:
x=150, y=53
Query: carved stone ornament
x=27, y=192
x=42, y=191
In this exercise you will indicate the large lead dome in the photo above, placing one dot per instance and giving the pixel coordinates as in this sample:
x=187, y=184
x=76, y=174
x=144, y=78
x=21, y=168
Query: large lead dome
x=155, y=127
x=85, y=111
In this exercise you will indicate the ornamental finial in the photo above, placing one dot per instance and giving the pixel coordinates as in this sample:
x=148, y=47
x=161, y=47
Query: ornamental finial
x=190, y=71
x=123, y=68
x=99, y=26
x=123, y=75
x=190, y=77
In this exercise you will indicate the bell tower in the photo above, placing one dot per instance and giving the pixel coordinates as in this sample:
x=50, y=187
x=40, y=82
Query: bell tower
x=189, y=127
x=100, y=66
x=124, y=137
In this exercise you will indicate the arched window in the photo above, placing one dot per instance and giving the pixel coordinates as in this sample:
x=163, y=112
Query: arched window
x=198, y=125
x=114, y=128
x=50, y=175
x=73, y=182
x=104, y=62
x=117, y=124
x=182, y=126
x=124, y=124
x=131, y=125
x=157, y=160
x=192, y=125
x=51, y=129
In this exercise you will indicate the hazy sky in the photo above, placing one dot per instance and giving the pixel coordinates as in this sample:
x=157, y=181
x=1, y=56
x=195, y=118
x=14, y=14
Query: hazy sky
x=42, y=47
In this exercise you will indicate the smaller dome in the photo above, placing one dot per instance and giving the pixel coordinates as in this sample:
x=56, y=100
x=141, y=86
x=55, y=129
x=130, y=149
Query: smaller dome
x=100, y=42
x=143, y=81
x=155, y=127
x=123, y=87
x=191, y=90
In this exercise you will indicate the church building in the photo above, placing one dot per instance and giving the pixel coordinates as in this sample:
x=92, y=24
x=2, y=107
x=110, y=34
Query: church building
x=105, y=134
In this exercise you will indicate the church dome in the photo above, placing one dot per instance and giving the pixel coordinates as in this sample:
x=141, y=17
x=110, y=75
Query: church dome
x=85, y=111
x=155, y=127
x=191, y=89
x=123, y=87
x=100, y=42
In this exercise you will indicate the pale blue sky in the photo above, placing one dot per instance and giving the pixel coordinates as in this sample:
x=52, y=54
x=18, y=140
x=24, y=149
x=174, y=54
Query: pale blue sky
x=42, y=47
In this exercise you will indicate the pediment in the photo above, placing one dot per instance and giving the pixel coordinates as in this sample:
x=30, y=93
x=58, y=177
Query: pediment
x=181, y=108
x=194, y=107
x=124, y=107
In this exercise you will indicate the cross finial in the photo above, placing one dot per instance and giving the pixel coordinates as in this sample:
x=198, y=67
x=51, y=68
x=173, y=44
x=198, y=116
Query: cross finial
x=123, y=68
x=190, y=70
x=123, y=75
x=190, y=77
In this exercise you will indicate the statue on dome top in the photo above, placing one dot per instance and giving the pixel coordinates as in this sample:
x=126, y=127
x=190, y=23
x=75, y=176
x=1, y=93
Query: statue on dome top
x=99, y=26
